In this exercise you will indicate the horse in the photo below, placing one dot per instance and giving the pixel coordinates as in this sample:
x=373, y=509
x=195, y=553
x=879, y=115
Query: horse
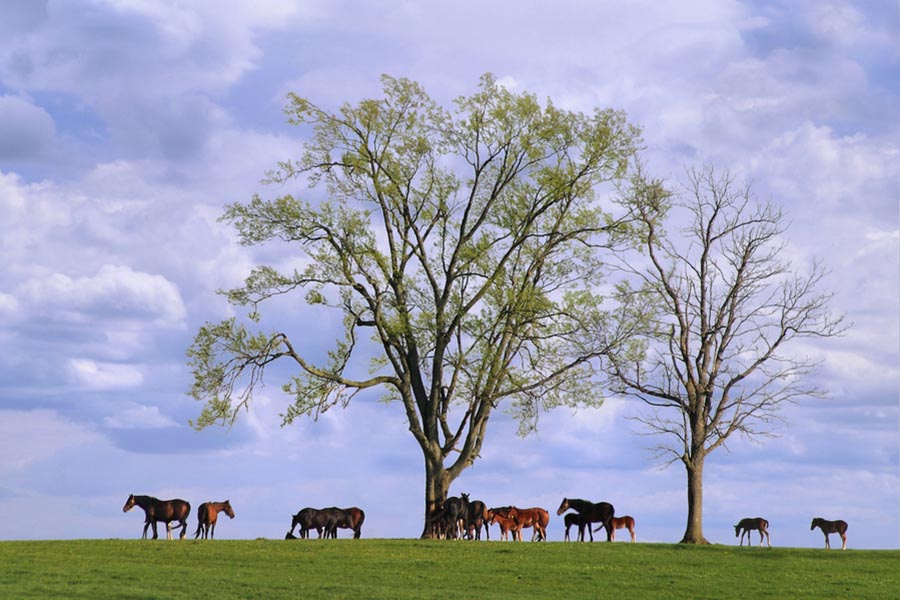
x=326, y=521
x=449, y=516
x=578, y=519
x=753, y=524
x=600, y=512
x=160, y=510
x=839, y=527
x=207, y=514
x=538, y=518
x=476, y=518
x=343, y=518
x=306, y=519
x=626, y=522
x=501, y=516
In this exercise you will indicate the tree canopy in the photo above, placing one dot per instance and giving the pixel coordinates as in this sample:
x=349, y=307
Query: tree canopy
x=465, y=250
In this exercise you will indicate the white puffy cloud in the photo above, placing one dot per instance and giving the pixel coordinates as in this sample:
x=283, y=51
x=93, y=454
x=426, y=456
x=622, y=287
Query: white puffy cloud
x=90, y=374
x=113, y=292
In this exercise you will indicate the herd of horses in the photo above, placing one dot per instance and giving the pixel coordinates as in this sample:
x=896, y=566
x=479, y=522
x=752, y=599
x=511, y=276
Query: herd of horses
x=456, y=518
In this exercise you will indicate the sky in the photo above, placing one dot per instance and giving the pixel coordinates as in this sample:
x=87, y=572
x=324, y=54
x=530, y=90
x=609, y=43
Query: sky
x=127, y=125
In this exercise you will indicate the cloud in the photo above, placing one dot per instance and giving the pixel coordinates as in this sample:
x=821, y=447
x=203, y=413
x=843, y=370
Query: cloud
x=29, y=436
x=103, y=376
x=113, y=292
x=138, y=416
x=26, y=130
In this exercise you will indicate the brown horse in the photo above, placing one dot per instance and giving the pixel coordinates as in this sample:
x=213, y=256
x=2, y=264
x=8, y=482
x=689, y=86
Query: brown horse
x=160, y=510
x=600, y=512
x=538, y=518
x=626, y=522
x=501, y=516
x=839, y=527
x=753, y=524
x=207, y=514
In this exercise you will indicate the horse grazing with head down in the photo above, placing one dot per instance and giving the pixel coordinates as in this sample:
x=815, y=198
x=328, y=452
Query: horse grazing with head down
x=599, y=512
x=753, y=524
x=839, y=527
x=208, y=514
x=160, y=510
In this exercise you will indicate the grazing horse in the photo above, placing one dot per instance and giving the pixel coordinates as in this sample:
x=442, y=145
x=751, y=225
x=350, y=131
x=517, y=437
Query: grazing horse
x=839, y=527
x=626, y=522
x=207, y=514
x=326, y=521
x=476, y=518
x=600, y=512
x=538, y=518
x=160, y=510
x=753, y=524
x=578, y=519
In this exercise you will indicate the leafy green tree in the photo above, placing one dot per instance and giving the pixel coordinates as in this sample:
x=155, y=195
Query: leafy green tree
x=727, y=304
x=463, y=248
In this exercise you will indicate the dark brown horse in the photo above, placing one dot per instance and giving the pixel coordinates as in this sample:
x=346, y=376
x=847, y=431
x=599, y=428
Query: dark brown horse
x=574, y=518
x=753, y=524
x=626, y=522
x=839, y=527
x=208, y=514
x=160, y=510
x=600, y=512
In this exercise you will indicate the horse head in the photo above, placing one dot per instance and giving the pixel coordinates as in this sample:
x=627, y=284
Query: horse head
x=227, y=508
x=129, y=504
x=563, y=507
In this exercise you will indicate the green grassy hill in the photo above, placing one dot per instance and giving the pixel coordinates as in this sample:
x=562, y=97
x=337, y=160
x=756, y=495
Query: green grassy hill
x=371, y=568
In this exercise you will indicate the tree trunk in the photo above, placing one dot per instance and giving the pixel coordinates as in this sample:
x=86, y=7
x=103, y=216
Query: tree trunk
x=437, y=486
x=693, y=533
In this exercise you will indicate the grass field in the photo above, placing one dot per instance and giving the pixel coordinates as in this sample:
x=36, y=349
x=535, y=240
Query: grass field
x=346, y=568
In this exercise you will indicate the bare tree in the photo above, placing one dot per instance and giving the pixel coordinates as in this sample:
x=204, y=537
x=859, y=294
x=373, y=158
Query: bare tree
x=725, y=304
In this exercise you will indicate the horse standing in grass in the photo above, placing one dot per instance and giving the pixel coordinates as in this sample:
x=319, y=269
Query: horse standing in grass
x=626, y=522
x=839, y=527
x=207, y=514
x=574, y=518
x=160, y=510
x=753, y=524
x=600, y=512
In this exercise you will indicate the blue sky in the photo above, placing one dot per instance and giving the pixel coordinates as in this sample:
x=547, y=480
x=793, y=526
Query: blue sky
x=126, y=125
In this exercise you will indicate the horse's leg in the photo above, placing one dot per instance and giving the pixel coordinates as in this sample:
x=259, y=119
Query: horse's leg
x=168, y=530
x=827, y=543
x=144, y=534
x=184, y=526
x=155, y=532
x=844, y=540
x=631, y=531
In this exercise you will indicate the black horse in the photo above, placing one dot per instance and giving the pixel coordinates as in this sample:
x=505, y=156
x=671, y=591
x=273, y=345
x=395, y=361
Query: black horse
x=600, y=512
x=326, y=521
x=578, y=520
x=446, y=519
x=753, y=524
x=160, y=510
x=839, y=527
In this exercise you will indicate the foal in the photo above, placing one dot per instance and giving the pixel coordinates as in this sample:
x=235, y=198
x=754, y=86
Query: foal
x=839, y=527
x=207, y=515
x=753, y=524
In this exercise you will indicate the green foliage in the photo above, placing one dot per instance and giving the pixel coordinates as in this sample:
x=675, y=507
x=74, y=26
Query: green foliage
x=463, y=250
x=396, y=569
